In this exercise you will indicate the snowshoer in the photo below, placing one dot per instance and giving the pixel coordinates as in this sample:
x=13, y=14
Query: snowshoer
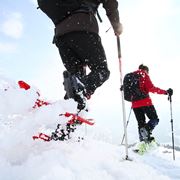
x=79, y=44
x=144, y=106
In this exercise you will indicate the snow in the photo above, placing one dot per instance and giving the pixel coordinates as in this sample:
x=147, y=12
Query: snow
x=95, y=157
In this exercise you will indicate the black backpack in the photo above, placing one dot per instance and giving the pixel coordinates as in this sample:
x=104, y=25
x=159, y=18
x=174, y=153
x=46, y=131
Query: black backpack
x=57, y=10
x=131, y=87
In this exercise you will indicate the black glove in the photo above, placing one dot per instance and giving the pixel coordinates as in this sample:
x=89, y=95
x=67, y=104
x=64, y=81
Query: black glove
x=122, y=88
x=170, y=92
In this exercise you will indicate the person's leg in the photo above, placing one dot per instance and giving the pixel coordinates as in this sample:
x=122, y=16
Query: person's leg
x=75, y=70
x=97, y=63
x=79, y=49
x=150, y=111
x=70, y=58
x=141, y=120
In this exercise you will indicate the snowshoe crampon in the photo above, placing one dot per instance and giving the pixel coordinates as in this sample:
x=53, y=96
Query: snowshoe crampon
x=63, y=132
x=143, y=147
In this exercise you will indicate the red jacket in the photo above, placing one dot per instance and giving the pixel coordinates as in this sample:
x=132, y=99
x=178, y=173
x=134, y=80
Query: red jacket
x=146, y=86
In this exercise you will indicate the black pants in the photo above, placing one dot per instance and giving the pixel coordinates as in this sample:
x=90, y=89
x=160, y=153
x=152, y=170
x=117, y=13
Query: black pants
x=141, y=114
x=79, y=50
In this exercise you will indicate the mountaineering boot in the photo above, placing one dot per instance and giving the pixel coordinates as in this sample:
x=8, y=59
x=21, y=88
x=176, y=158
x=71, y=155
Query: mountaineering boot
x=74, y=89
x=150, y=137
x=145, y=134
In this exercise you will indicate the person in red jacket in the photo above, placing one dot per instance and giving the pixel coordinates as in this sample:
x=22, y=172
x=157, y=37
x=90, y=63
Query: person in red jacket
x=144, y=107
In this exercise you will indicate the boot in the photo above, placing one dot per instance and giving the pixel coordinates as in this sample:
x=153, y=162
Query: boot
x=145, y=134
x=75, y=89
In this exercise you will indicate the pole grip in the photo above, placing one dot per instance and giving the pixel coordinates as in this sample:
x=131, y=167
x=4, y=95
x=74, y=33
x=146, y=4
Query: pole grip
x=170, y=98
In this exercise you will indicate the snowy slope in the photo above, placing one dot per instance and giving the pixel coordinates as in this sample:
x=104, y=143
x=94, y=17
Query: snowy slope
x=94, y=158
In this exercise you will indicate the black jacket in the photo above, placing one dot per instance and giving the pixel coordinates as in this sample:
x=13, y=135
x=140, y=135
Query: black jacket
x=83, y=20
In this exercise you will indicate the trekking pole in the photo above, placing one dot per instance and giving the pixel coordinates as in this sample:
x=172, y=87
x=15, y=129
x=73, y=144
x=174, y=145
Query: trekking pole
x=172, y=128
x=122, y=97
x=126, y=125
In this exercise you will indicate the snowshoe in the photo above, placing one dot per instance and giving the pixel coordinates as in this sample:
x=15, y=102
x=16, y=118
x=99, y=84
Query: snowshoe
x=63, y=131
x=143, y=147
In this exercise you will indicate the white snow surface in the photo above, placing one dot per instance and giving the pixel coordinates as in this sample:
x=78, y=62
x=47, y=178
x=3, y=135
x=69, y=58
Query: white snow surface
x=95, y=157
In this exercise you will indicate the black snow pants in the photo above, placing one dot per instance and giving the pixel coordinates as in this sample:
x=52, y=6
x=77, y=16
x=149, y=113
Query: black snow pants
x=79, y=50
x=141, y=114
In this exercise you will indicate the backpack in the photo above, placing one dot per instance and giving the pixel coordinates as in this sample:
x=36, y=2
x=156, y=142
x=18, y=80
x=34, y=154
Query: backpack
x=131, y=87
x=57, y=10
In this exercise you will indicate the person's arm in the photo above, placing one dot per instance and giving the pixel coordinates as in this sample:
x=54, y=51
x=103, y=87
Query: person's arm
x=151, y=88
x=111, y=7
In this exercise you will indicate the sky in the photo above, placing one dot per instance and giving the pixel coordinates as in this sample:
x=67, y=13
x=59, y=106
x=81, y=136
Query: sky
x=95, y=157
x=150, y=36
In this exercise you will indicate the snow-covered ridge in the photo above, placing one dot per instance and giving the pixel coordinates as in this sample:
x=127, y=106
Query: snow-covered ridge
x=94, y=158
